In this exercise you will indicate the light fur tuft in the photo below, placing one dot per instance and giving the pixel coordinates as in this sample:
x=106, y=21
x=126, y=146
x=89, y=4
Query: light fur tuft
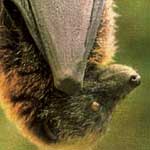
x=106, y=43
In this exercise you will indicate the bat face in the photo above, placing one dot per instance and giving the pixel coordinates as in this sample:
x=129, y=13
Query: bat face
x=86, y=112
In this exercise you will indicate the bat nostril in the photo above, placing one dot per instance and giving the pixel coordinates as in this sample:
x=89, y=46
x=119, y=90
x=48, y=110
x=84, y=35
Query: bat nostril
x=135, y=80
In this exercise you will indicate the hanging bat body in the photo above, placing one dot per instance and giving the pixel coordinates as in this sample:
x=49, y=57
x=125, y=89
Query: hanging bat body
x=56, y=78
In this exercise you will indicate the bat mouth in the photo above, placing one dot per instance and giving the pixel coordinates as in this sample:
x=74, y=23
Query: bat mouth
x=51, y=134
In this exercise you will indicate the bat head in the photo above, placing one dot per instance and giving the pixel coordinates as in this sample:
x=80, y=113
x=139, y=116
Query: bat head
x=87, y=112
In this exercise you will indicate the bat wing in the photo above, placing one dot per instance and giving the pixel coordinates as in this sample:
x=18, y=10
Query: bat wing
x=64, y=31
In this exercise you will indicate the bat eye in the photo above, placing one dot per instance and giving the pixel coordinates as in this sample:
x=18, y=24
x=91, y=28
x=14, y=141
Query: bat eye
x=95, y=106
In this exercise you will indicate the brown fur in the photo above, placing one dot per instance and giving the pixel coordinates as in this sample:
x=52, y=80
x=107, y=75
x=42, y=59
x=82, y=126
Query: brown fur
x=105, y=45
x=18, y=77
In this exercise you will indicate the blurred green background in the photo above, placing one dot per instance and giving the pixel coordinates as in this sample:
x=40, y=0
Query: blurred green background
x=130, y=126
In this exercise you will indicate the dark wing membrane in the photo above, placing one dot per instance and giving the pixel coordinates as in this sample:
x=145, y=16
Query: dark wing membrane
x=64, y=31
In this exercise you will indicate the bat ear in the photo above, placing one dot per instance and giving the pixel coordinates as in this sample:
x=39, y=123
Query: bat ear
x=64, y=31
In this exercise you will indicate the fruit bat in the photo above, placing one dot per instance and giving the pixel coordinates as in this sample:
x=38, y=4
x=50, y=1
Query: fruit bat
x=55, y=82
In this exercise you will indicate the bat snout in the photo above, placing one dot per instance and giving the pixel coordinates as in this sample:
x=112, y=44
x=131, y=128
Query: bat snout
x=135, y=79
